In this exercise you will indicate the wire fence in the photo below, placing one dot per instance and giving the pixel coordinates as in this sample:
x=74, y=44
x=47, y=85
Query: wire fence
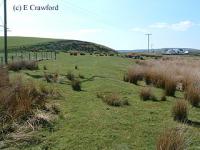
x=28, y=56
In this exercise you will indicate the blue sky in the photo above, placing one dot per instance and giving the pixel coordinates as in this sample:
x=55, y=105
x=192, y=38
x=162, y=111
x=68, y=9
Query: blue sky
x=120, y=24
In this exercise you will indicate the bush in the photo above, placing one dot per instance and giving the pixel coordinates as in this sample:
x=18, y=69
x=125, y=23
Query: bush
x=192, y=94
x=112, y=99
x=146, y=94
x=180, y=110
x=70, y=76
x=21, y=65
x=76, y=67
x=172, y=139
x=76, y=85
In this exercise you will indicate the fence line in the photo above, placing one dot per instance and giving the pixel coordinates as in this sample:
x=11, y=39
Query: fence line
x=29, y=56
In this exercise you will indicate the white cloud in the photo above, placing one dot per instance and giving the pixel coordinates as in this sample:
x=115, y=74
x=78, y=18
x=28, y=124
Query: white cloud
x=180, y=26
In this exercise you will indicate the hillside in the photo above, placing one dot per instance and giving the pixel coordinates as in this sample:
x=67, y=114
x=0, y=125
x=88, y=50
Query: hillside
x=29, y=43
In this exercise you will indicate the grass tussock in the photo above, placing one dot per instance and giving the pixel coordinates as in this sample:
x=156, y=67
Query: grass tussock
x=23, y=65
x=134, y=75
x=170, y=86
x=192, y=94
x=180, y=111
x=23, y=109
x=51, y=77
x=70, y=76
x=76, y=85
x=147, y=94
x=173, y=139
x=113, y=99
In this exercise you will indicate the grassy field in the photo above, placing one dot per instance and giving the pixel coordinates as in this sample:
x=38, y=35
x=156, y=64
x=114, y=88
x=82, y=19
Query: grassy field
x=88, y=123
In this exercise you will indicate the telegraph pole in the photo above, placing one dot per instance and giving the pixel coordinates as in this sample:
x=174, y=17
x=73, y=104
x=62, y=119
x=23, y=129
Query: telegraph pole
x=148, y=35
x=5, y=32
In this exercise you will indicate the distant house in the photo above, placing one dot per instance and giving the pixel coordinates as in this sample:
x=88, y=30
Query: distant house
x=175, y=51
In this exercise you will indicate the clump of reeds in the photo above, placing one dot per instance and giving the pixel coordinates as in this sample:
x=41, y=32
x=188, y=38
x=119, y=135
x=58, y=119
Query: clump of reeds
x=173, y=139
x=147, y=94
x=134, y=75
x=180, y=111
x=113, y=99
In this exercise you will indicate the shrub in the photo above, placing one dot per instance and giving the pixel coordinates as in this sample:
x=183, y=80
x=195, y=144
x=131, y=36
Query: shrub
x=76, y=67
x=70, y=76
x=146, y=94
x=112, y=99
x=172, y=139
x=76, y=85
x=21, y=65
x=192, y=94
x=180, y=110
x=170, y=87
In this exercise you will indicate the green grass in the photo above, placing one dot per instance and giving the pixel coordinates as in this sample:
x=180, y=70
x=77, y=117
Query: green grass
x=88, y=123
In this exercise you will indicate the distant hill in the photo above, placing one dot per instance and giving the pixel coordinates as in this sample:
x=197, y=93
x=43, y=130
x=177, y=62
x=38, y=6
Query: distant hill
x=36, y=44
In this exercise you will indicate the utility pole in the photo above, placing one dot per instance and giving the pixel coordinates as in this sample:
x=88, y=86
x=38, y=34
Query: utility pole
x=5, y=32
x=148, y=35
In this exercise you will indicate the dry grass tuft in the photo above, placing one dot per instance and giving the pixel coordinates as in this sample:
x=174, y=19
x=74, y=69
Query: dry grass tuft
x=173, y=139
x=134, y=75
x=170, y=86
x=146, y=94
x=192, y=94
x=112, y=99
x=51, y=77
x=180, y=111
